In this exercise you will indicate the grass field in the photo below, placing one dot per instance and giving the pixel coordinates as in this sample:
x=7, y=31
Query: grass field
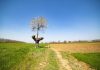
x=12, y=53
x=24, y=56
x=91, y=58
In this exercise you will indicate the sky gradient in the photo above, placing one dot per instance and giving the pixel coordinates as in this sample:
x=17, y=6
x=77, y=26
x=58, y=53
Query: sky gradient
x=67, y=19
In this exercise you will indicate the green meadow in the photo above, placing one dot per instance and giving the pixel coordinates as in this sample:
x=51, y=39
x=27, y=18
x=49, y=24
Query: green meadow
x=24, y=56
x=93, y=59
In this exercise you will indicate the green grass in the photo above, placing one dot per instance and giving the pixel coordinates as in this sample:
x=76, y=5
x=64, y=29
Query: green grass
x=40, y=56
x=43, y=45
x=32, y=60
x=91, y=58
x=53, y=63
x=12, y=53
x=24, y=56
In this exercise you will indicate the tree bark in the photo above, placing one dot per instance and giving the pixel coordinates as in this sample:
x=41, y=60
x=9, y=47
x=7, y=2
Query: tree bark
x=37, y=35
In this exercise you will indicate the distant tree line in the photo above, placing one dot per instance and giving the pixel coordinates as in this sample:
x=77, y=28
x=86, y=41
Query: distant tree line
x=79, y=41
x=2, y=40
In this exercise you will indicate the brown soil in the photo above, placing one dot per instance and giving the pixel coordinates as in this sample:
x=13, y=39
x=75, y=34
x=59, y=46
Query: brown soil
x=77, y=47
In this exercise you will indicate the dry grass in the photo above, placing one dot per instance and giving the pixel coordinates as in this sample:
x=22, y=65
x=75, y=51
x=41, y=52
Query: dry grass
x=77, y=47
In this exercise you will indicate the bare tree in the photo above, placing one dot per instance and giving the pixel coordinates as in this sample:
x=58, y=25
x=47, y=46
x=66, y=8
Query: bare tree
x=38, y=24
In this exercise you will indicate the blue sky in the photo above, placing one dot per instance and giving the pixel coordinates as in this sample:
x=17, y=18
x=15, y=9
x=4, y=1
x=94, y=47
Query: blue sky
x=67, y=19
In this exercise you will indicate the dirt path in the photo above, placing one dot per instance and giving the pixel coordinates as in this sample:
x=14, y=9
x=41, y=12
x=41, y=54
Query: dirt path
x=64, y=63
x=71, y=63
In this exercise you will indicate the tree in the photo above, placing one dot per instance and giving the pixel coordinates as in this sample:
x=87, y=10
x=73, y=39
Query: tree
x=64, y=41
x=38, y=24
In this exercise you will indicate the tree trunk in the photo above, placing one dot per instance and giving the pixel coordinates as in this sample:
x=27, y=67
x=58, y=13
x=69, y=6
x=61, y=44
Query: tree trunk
x=37, y=36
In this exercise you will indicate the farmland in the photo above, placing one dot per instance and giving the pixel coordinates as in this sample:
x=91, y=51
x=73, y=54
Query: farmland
x=80, y=55
x=70, y=56
x=78, y=47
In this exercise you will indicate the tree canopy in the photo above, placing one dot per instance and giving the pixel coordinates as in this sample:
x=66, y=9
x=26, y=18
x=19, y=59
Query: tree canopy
x=38, y=23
